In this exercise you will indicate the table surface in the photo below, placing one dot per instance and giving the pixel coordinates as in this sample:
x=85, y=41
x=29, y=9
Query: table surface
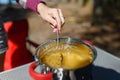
x=106, y=67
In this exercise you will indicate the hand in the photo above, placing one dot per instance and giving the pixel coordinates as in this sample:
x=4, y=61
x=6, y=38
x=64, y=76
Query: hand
x=52, y=15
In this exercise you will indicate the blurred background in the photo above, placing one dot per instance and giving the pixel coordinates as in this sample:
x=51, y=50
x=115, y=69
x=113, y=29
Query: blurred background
x=95, y=20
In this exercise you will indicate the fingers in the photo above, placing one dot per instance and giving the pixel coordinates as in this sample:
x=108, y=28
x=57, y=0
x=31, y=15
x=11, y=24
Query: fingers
x=53, y=23
x=58, y=17
x=51, y=20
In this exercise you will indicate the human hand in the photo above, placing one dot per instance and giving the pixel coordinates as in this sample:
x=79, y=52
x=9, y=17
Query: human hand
x=52, y=15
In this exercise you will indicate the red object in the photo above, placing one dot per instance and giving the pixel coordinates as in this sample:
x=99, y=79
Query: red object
x=38, y=76
x=17, y=54
x=88, y=42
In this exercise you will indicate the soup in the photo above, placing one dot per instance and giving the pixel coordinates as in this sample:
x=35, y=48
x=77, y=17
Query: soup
x=66, y=55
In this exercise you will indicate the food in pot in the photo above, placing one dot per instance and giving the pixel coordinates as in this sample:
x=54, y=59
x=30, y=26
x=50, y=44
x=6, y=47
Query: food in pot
x=66, y=55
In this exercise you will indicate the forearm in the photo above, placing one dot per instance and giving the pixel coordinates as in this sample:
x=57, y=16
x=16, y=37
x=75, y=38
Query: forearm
x=30, y=4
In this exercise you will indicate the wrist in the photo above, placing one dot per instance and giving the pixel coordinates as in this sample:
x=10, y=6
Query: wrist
x=32, y=4
x=40, y=7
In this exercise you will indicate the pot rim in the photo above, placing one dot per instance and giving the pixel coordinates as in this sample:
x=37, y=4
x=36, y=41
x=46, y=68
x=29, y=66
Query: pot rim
x=66, y=40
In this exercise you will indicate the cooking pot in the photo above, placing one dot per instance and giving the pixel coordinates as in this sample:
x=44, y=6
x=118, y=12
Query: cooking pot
x=61, y=59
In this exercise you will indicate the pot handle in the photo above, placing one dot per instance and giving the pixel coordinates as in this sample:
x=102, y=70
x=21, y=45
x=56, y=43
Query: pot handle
x=88, y=42
x=38, y=76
